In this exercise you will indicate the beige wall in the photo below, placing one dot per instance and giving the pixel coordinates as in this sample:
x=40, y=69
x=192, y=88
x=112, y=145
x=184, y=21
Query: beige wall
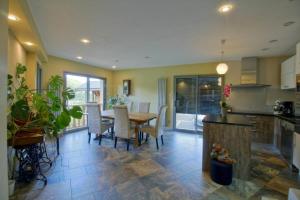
x=57, y=66
x=17, y=54
x=144, y=84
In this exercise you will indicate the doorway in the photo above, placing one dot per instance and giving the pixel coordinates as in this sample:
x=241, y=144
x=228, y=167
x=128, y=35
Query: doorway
x=195, y=97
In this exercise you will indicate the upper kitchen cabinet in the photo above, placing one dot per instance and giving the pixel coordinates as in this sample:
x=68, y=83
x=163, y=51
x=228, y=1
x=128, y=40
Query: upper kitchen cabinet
x=288, y=75
x=298, y=58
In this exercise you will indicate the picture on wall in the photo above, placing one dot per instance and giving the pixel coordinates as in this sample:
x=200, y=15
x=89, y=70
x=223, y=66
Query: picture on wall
x=126, y=87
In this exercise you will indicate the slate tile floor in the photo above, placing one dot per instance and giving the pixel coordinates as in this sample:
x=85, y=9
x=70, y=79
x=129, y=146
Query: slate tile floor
x=88, y=171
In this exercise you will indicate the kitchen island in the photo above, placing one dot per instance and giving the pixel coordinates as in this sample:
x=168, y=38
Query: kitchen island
x=234, y=134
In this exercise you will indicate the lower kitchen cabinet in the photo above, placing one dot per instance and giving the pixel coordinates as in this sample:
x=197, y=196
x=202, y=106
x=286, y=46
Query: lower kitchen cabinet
x=296, y=150
x=263, y=128
x=277, y=132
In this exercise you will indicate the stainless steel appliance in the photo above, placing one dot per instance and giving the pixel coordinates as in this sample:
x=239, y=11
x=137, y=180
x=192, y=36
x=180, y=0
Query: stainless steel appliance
x=288, y=108
x=287, y=134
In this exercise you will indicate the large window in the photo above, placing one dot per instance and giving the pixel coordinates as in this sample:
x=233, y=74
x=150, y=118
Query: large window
x=87, y=89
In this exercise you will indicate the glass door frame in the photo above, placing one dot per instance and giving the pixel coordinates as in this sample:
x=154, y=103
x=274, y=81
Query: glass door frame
x=88, y=84
x=197, y=91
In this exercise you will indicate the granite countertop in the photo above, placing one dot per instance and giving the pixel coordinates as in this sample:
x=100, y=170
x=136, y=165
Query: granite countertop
x=291, y=119
x=231, y=119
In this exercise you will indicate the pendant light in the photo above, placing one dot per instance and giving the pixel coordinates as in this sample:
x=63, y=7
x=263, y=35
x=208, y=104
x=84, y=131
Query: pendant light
x=222, y=67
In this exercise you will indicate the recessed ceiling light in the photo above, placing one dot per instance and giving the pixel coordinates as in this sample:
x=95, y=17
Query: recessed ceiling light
x=272, y=41
x=13, y=17
x=114, y=67
x=147, y=57
x=79, y=57
x=29, y=43
x=225, y=8
x=85, y=41
x=289, y=23
x=265, y=49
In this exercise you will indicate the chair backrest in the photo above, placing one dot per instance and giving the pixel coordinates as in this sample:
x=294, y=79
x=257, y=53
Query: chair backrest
x=143, y=107
x=161, y=120
x=121, y=123
x=129, y=106
x=94, y=117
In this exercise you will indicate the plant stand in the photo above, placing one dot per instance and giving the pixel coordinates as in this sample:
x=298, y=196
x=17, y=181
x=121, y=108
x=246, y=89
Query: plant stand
x=31, y=152
x=220, y=172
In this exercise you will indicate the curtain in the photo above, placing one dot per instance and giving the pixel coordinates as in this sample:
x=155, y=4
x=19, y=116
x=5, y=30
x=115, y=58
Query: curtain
x=162, y=92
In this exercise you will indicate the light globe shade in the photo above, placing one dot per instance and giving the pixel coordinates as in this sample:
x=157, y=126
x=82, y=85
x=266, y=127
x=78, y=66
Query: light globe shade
x=222, y=68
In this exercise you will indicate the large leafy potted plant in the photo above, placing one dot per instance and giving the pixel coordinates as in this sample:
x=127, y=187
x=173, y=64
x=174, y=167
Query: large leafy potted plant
x=30, y=111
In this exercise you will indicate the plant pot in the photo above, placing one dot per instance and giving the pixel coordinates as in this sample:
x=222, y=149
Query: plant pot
x=11, y=186
x=220, y=172
x=224, y=112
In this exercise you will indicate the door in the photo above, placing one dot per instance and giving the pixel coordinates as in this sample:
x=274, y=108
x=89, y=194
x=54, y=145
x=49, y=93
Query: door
x=209, y=97
x=185, y=104
x=195, y=97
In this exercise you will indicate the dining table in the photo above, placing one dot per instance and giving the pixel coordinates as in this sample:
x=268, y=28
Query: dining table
x=136, y=117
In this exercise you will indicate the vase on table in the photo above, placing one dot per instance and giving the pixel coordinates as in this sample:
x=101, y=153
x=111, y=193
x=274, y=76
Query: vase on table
x=224, y=112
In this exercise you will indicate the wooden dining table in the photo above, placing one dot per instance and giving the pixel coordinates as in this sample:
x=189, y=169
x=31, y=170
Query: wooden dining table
x=136, y=117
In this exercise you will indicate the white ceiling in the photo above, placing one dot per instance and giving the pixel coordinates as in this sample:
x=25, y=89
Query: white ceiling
x=170, y=32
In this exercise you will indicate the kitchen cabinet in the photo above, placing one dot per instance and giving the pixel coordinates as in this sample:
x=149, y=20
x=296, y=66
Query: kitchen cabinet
x=263, y=128
x=296, y=150
x=288, y=74
x=277, y=132
x=298, y=58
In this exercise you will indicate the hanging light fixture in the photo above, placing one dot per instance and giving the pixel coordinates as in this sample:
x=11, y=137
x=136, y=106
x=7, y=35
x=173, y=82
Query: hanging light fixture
x=222, y=67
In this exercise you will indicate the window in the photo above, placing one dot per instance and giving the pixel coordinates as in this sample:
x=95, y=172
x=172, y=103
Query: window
x=86, y=88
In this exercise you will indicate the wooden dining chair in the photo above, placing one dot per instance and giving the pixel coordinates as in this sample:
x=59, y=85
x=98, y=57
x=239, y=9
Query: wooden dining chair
x=122, y=126
x=94, y=121
x=158, y=129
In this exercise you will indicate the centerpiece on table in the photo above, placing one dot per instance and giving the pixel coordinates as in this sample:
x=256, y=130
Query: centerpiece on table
x=116, y=100
x=221, y=165
x=224, y=106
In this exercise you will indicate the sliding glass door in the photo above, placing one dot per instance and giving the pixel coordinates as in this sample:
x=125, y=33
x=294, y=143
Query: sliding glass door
x=195, y=97
x=87, y=89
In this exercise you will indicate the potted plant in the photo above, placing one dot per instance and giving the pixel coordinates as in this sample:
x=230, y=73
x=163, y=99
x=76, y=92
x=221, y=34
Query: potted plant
x=221, y=165
x=224, y=106
x=116, y=100
x=31, y=112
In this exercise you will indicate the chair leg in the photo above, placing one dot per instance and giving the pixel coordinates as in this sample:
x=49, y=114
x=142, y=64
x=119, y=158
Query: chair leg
x=116, y=140
x=100, y=138
x=157, y=143
x=128, y=142
x=162, y=139
x=89, y=134
x=147, y=136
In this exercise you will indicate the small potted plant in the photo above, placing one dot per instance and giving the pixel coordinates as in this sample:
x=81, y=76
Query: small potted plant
x=221, y=165
x=224, y=106
x=116, y=100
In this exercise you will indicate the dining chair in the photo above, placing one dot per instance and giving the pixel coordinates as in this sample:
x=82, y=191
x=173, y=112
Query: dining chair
x=94, y=121
x=158, y=129
x=122, y=126
x=143, y=107
x=129, y=106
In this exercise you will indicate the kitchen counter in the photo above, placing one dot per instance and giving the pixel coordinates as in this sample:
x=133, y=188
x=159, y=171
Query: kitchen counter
x=231, y=119
x=291, y=119
x=233, y=133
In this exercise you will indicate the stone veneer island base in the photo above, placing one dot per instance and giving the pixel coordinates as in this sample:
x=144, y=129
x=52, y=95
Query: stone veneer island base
x=234, y=134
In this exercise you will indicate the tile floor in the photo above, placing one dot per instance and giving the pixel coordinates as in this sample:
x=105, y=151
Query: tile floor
x=88, y=171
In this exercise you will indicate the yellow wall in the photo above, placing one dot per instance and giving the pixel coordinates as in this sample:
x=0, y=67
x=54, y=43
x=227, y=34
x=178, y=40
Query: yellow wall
x=144, y=81
x=57, y=66
x=16, y=53
x=144, y=84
